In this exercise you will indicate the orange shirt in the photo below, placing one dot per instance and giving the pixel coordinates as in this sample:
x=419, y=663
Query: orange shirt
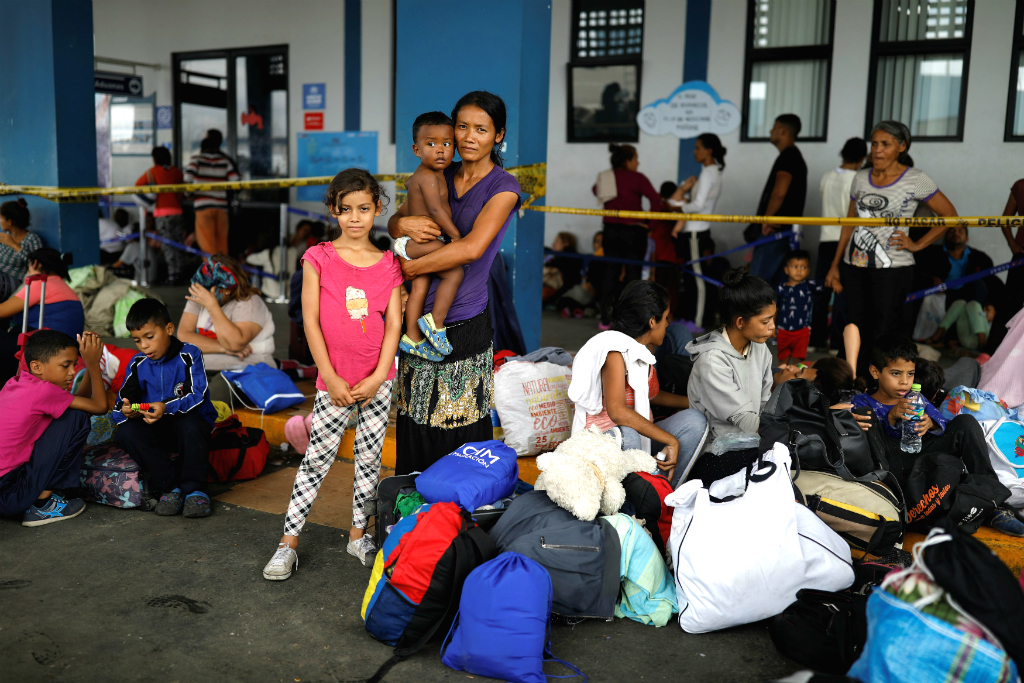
x=167, y=203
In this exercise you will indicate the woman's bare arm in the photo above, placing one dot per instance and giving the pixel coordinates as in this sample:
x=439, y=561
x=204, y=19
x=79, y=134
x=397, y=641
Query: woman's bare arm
x=471, y=247
x=420, y=228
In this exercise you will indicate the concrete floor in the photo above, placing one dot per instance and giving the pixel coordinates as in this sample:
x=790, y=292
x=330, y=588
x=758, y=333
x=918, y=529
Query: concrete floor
x=122, y=594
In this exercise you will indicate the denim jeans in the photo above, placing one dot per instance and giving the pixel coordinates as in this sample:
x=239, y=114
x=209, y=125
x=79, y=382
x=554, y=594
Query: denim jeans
x=690, y=428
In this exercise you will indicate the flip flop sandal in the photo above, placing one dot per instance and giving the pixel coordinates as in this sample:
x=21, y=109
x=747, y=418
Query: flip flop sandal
x=438, y=338
x=421, y=349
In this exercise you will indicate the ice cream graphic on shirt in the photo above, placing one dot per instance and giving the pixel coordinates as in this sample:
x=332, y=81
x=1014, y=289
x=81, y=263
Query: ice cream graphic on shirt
x=357, y=305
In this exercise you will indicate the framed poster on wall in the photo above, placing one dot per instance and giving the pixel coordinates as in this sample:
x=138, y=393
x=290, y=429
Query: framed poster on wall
x=324, y=154
x=603, y=102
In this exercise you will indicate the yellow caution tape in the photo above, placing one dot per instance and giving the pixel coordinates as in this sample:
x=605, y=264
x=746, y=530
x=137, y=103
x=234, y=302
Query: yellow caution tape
x=912, y=222
x=531, y=178
x=533, y=182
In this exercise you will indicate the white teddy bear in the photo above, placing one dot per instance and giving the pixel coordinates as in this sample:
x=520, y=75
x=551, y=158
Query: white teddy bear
x=584, y=474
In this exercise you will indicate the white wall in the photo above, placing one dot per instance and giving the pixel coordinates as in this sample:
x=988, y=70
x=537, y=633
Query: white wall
x=976, y=174
x=573, y=167
x=314, y=31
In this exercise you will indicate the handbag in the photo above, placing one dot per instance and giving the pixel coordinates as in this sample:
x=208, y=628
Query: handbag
x=775, y=548
x=267, y=389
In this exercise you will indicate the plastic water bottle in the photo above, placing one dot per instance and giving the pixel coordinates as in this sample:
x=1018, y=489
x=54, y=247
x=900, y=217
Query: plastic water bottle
x=911, y=441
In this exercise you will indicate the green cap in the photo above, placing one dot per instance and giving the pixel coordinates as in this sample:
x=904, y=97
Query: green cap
x=915, y=387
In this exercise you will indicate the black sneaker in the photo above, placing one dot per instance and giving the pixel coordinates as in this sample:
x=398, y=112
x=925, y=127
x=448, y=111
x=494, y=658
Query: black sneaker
x=169, y=504
x=197, y=504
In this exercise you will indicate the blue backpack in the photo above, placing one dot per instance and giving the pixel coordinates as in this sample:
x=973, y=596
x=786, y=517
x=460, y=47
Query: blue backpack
x=478, y=473
x=501, y=630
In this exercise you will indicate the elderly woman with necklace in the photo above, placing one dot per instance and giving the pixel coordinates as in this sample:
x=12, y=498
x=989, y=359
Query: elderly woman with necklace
x=877, y=268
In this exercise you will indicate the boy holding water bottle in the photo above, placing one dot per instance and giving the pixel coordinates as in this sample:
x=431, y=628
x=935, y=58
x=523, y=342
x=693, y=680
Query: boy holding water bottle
x=893, y=361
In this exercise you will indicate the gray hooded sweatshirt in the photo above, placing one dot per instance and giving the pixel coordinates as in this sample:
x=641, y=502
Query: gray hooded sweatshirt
x=728, y=387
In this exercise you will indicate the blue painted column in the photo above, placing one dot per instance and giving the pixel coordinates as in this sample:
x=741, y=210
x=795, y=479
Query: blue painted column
x=695, y=68
x=502, y=47
x=353, y=62
x=47, y=115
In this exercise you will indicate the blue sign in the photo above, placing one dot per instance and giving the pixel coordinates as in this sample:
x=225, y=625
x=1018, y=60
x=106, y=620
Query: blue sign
x=313, y=95
x=325, y=154
x=164, y=118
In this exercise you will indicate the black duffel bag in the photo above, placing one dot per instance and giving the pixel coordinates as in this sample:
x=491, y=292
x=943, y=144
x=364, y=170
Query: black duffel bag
x=798, y=415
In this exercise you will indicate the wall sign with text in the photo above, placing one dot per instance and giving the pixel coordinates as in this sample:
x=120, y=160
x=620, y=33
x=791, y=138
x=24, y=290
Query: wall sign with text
x=314, y=95
x=694, y=108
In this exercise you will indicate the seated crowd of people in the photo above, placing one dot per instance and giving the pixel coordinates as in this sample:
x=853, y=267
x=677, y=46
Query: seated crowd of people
x=648, y=382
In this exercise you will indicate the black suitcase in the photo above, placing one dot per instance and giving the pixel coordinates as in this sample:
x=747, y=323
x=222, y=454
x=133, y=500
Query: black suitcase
x=382, y=506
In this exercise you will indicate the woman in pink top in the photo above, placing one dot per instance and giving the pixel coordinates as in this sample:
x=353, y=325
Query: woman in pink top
x=352, y=315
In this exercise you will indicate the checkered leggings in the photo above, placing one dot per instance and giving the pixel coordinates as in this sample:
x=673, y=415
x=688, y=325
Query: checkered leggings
x=329, y=422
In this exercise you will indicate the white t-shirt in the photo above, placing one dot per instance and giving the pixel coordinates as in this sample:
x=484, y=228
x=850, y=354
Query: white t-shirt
x=703, y=197
x=108, y=231
x=869, y=247
x=252, y=310
x=835, y=199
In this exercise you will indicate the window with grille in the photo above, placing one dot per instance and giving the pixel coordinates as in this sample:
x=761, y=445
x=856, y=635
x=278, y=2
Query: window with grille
x=788, y=66
x=606, y=31
x=1015, y=102
x=605, y=54
x=920, y=53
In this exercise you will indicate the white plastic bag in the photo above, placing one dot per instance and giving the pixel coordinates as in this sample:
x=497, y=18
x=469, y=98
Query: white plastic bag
x=533, y=405
x=933, y=310
x=743, y=559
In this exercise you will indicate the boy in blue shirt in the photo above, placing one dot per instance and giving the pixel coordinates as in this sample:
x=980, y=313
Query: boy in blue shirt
x=170, y=377
x=893, y=366
x=795, y=301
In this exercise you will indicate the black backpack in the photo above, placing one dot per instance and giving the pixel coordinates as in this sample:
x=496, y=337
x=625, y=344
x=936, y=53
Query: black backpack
x=826, y=440
x=939, y=487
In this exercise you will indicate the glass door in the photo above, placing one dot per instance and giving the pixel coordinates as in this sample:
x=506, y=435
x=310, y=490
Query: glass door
x=243, y=93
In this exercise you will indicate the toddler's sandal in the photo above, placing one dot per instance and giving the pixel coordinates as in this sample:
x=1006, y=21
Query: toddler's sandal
x=421, y=349
x=438, y=338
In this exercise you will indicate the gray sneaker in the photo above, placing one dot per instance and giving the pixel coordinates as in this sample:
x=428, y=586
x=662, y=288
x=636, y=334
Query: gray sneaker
x=282, y=564
x=363, y=549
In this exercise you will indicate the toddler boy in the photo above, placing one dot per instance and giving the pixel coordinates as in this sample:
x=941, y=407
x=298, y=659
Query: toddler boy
x=893, y=366
x=434, y=143
x=795, y=299
x=44, y=426
x=170, y=377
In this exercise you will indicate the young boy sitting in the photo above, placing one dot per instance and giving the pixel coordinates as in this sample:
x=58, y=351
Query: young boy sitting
x=893, y=366
x=433, y=136
x=168, y=376
x=44, y=427
x=795, y=299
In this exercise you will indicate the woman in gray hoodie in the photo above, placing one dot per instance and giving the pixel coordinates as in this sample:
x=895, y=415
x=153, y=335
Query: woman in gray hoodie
x=732, y=371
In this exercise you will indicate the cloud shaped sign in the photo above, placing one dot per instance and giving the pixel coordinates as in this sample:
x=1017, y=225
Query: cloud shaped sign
x=693, y=109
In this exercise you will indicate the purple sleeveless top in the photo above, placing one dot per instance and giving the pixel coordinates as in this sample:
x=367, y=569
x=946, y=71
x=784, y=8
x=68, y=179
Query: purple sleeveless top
x=471, y=299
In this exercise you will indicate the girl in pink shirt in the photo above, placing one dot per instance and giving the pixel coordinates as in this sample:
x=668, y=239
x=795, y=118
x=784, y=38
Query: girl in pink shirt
x=352, y=314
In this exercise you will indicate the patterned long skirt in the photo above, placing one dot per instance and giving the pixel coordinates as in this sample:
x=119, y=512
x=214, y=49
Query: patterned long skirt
x=445, y=404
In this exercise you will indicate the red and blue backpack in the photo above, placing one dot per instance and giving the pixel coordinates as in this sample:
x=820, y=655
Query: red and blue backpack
x=417, y=578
